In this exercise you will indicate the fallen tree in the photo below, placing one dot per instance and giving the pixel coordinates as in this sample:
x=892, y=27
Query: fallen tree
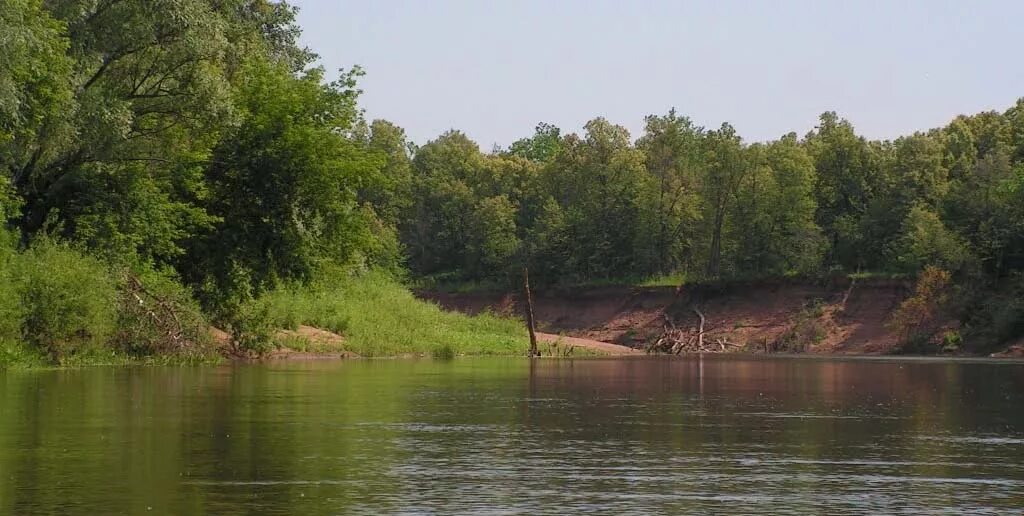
x=675, y=340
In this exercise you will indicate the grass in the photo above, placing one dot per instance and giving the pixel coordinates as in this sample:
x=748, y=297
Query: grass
x=866, y=275
x=559, y=348
x=666, y=280
x=457, y=286
x=380, y=317
x=18, y=355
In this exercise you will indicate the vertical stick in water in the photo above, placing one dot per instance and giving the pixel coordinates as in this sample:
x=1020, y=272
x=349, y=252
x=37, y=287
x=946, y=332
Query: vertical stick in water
x=534, y=352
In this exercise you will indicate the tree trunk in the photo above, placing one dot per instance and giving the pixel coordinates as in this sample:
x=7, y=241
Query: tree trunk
x=530, y=324
x=715, y=258
x=700, y=331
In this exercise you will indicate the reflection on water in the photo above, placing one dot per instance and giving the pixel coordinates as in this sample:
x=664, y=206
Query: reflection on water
x=722, y=434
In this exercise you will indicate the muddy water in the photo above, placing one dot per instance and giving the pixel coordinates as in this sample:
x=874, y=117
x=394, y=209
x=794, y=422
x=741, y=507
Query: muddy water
x=719, y=435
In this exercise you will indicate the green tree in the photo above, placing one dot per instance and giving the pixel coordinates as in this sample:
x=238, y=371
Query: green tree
x=597, y=181
x=284, y=184
x=494, y=245
x=35, y=86
x=438, y=229
x=926, y=241
x=984, y=206
x=775, y=228
x=392, y=196
x=672, y=145
x=543, y=146
x=846, y=182
x=725, y=171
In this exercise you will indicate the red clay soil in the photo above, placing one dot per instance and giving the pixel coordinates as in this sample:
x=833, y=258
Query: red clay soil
x=750, y=316
x=1014, y=350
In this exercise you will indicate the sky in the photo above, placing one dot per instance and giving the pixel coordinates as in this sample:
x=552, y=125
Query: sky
x=495, y=69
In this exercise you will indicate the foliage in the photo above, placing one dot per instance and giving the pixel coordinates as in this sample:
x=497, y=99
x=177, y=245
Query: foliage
x=806, y=330
x=58, y=304
x=994, y=316
x=250, y=327
x=283, y=184
x=918, y=316
x=67, y=298
x=926, y=241
x=34, y=87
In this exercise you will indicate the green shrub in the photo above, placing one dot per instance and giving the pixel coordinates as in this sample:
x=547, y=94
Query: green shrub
x=11, y=311
x=951, y=341
x=807, y=330
x=995, y=317
x=251, y=328
x=443, y=352
x=14, y=353
x=68, y=299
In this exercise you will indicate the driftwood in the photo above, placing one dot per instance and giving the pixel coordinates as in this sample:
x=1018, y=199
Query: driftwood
x=700, y=331
x=161, y=313
x=846, y=296
x=675, y=340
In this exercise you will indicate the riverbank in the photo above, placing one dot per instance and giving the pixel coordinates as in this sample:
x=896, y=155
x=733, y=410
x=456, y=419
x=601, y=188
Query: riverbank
x=374, y=315
x=842, y=315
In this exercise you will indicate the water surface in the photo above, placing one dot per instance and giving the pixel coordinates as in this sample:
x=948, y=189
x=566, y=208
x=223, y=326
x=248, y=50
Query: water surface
x=719, y=434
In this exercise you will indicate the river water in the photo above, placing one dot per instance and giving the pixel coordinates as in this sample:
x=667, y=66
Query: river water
x=726, y=435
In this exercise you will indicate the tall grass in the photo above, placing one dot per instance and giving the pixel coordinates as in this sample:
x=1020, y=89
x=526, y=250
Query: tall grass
x=380, y=317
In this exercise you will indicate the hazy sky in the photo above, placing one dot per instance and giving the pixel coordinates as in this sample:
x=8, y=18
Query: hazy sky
x=494, y=69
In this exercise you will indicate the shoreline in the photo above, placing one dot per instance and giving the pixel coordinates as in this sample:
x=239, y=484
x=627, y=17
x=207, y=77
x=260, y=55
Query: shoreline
x=837, y=316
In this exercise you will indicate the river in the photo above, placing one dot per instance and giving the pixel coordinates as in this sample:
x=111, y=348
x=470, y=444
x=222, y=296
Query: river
x=646, y=435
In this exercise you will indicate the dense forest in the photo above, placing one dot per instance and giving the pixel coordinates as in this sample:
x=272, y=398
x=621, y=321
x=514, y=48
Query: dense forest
x=169, y=164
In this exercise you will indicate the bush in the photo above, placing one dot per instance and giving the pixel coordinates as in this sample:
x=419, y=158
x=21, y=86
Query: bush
x=919, y=316
x=807, y=330
x=68, y=299
x=443, y=352
x=995, y=317
x=11, y=312
x=951, y=341
x=251, y=328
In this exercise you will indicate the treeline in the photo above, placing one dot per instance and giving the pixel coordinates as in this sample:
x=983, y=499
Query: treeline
x=194, y=153
x=702, y=204
x=683, y=198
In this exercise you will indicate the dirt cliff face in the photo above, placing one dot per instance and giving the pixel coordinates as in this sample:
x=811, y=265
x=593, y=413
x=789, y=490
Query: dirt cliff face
x=829, y=316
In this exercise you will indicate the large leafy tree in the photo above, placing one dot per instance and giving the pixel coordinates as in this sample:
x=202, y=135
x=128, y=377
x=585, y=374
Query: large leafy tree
x=391, y=197
x=284, y=183
x=775, y=230
x=672, y=146
x=597, y=180
x=446, y=185
x=127, y=101
x=846, y=182
x=35, y=86
x=727, y=166
x=543, y=146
